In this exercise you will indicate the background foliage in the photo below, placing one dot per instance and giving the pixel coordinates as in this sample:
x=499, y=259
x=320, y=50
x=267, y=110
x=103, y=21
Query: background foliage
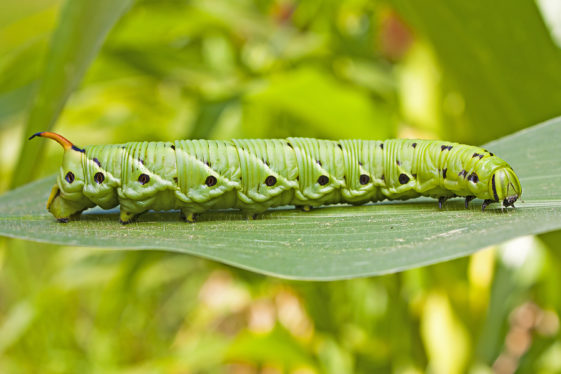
x=465, y=71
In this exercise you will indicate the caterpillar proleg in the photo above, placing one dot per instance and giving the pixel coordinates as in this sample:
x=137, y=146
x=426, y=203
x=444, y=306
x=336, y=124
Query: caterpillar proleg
x=253, y=175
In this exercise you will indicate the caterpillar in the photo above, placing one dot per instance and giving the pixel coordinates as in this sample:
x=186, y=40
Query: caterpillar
x=253, y=175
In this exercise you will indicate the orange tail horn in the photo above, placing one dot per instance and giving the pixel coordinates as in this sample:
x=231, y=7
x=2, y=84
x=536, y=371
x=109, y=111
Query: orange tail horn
x=65, y=143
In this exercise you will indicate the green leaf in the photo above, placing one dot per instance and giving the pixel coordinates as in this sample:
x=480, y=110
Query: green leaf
x=478, y=44
x=80, y=32
x=322, y=103
x=326, y=243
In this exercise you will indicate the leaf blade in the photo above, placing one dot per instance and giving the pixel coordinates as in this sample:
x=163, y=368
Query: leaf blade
x=78, y=37
x=501, y=90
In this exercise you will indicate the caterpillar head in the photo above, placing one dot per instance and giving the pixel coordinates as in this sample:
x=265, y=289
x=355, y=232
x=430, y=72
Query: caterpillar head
x=505, y=186
x=67, y=199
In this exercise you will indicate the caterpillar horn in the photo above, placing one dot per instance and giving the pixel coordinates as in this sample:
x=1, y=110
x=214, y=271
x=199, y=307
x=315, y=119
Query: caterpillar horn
x=65, y=143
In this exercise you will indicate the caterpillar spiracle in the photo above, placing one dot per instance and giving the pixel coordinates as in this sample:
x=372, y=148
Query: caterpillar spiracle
x=253, y=175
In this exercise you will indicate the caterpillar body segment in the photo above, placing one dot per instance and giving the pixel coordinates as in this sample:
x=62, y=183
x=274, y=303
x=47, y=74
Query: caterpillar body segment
x=253, y=175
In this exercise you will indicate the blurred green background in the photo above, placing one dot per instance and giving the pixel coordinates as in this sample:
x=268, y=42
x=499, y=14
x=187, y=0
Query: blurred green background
x=467, y=71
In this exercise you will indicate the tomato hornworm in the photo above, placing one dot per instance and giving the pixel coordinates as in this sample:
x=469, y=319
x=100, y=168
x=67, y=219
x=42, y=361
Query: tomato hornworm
x=253, y=175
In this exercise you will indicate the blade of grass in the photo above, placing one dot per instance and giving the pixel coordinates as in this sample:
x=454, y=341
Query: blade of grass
x=481, y=58
x=80, y=32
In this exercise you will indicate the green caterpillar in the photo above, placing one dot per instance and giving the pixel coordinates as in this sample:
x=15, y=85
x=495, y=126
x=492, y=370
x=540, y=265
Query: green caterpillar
x=253, y=175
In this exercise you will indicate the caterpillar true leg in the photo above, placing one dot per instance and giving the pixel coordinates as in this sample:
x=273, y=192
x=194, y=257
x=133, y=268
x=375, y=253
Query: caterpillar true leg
x=468, y=199
x=508, y=202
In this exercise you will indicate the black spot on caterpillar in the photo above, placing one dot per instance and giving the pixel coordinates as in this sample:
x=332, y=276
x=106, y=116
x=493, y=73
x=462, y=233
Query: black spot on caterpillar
x=143, y=179
x=211, y=180
x=473, y=178
x=241, y=168
x=270, y=181
x=99, y=178
x=323, y=180
x=69, y=177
